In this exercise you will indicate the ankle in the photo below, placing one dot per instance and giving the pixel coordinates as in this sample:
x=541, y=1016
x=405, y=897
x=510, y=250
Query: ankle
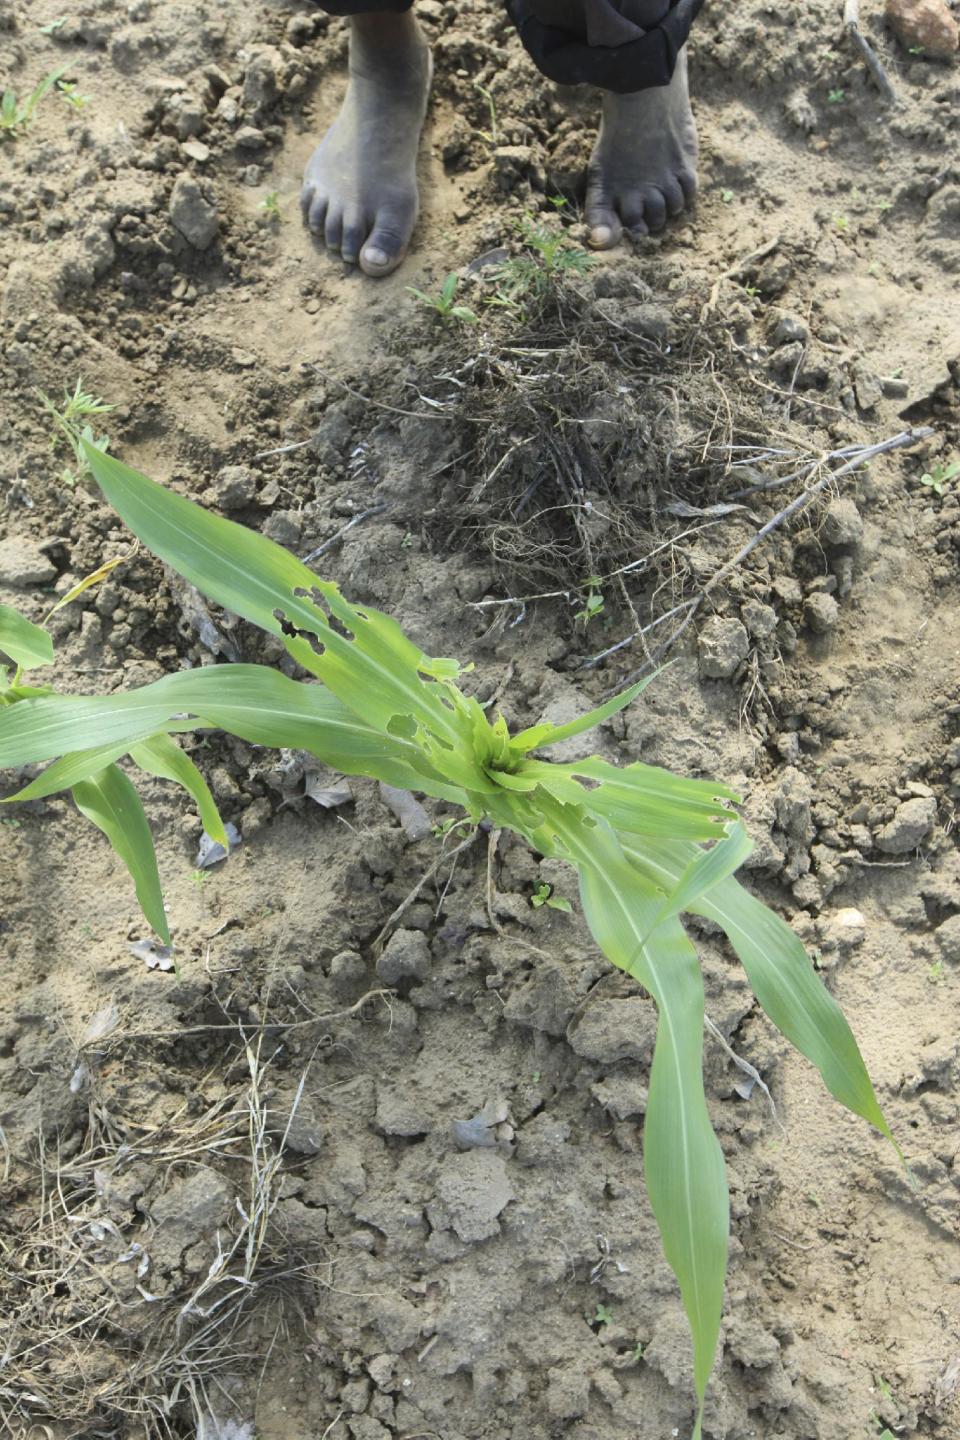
x=388, y=46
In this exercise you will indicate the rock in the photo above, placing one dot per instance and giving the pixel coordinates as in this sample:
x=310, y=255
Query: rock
x=406, y=957
x=546, y=1002
x=473, y=1189
x=261, y=86
x=842, y=524
x=760, y=619
x=843, y=930
x=925, y=25
x=22, y=562
x=947, y=937
x=866, y=386
x=186, y=1218
x=192, y=214
x=786, y=361
x=721, y=647
x=235, y=487
x=611, y=1030
x=284, y=526
x=774, y=276
x=347, y=972
x=787, y=589
x=248, y=137
x=790, y=329
x=821, y=613
x=910, y=826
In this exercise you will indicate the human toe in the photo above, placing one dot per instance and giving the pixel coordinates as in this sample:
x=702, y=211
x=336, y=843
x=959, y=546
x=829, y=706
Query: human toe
x=355, y=230
x=333, y=228
x=384, y=250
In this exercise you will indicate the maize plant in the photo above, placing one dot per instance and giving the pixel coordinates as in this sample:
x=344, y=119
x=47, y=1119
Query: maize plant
x=647, y=845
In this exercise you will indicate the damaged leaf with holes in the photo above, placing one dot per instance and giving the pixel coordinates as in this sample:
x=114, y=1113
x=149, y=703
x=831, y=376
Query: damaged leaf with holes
x=647, y=846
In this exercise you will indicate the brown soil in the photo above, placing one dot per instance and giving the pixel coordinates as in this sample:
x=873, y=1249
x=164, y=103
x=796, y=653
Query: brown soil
x=404, y=1286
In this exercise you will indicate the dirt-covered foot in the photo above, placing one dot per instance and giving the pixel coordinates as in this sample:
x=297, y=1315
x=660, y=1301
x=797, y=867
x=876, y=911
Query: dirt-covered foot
x=360, y=185
x=643, y=167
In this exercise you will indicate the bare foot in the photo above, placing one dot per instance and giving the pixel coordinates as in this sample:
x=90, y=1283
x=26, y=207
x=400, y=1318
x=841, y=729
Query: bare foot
x=643, y=167
x=360, y=185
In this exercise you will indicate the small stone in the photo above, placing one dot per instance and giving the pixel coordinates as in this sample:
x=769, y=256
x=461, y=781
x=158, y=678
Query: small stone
x=612, y=1030
x=947, y=937
x=787, y=360
x=926, y=26
x=842, y=523
x=867, y=387
x=347, y=973
x=244, y=358
x=774, y=275
x=196, y=150
x=283, y=526
x=235, y=487
x=406, y=957
x=846, y=928
x=248, y=137
x=300, y=29
x=760, y=619
x=821, y=613
x=22, y=562
x=787, y=589
x=722, y=646
x=193, y=214
x=910, y=826
x=790, y=329
x=381, y=1369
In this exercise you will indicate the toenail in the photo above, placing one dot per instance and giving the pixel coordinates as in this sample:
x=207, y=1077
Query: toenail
x=601, y=235
x=376, y=258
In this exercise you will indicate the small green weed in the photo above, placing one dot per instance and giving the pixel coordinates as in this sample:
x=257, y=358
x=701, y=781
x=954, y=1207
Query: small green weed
x=53, y=26
x=603, y=1316
x=529, y=278
x=68, y=90
x=841, y=222
x=726, y=196
x=444, y=304
x=836, y=97
x=78, y=409
x=492, y=136
x=543, y=895
x=940, y=476
x=16, y=115
x=270, y=205
x=593, y=604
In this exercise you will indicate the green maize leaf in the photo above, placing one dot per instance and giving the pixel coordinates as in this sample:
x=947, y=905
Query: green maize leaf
x=641, y=799
x=537, y=737
x=364, y=656
x=780, y=975
x=109, y=800
x=163, y=757
x=27, y=644
x=251, y=701
x=707, y=870
x=68, y=771
x=683, y=1162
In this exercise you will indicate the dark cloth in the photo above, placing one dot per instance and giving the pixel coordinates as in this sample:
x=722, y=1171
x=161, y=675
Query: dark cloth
x=639, y=59
x=619, y=45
